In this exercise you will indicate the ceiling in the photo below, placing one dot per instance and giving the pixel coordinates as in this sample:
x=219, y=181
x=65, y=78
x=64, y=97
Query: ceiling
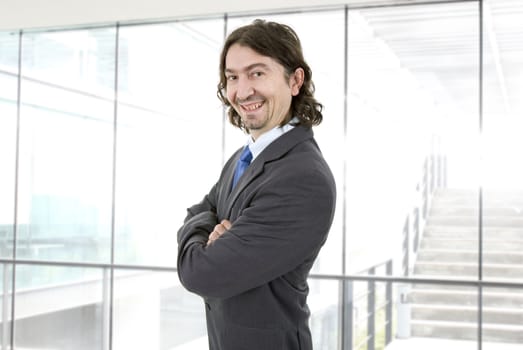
x=440, y=45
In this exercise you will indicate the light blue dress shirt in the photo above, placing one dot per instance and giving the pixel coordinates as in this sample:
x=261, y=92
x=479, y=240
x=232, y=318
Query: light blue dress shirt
x=267, y=138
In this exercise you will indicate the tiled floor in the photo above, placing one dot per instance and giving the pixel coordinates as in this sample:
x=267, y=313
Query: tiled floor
x=442, y=344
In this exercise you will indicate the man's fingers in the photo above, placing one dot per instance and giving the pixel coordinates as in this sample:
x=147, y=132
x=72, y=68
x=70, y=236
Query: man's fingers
x=219, y=230
x=226, y=224
x=212, y=237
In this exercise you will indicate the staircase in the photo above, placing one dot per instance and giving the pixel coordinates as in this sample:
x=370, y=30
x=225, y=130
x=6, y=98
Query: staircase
x=449, y=250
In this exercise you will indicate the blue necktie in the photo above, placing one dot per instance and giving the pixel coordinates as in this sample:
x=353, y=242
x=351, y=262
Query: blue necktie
x=243, y=163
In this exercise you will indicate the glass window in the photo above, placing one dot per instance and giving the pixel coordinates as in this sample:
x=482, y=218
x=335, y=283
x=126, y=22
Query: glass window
x=54, y=314
x=8, y=115
x=502, y=106
x=169, y=150
x=501, y=141
x=153, y=311
x=116, y=130
x=325, y=317
x=66, y=143
x=407, y=108
x=6, y=290
x=430, y=316
x=80, y=60
x=370, y=315
x=502, y=318
x=9, y=45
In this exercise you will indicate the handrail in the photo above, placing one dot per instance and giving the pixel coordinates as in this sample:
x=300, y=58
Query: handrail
x=485, y=283
x=433, y=177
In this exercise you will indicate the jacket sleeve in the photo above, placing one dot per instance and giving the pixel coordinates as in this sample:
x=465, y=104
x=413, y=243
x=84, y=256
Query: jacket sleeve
x=198, y=224
x=208, y=203
x=194, y=232
x=281, y=229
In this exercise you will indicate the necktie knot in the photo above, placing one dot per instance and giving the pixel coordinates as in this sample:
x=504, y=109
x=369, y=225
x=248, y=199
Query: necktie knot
x=243, y=163
x=246, y=155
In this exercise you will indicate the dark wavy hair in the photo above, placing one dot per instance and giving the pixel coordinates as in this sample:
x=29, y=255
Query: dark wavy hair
x=281, y=43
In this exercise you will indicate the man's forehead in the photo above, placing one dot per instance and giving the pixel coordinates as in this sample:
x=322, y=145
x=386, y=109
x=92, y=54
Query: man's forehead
x=244, y=58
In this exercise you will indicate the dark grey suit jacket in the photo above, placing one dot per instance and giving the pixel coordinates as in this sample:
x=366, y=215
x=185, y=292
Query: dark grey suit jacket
x=254, y=277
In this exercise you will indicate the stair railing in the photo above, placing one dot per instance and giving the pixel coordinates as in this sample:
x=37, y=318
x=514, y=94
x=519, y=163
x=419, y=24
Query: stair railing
x=433, y=176
x=373, y=324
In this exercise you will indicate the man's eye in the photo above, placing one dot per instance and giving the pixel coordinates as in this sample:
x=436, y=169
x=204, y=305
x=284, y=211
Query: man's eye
x=231, y=77
x=257, y=74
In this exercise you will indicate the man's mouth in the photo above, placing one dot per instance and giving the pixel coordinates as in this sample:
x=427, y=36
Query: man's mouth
x=251, y=107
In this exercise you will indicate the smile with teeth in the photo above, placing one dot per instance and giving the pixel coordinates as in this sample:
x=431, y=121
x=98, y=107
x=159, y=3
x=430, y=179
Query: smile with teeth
x=253, y=106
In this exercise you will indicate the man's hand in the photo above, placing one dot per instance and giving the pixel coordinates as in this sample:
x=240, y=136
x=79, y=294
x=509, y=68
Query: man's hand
x=219, y=230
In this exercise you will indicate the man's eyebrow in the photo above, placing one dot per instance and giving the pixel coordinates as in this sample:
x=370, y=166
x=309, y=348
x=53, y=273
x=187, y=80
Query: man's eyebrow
x=249, y=67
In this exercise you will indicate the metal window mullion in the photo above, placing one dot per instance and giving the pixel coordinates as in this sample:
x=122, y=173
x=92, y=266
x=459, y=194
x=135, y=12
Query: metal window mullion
x=346, y=297
x=371, y=312
x=5, y=306
x=106, y=309
x=347, y=332
x=388, y=306
x=480, y=196
x=108, y=274
x=17, y=169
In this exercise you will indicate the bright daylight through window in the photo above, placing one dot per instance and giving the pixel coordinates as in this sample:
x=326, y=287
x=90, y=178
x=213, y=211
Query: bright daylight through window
x=422, y=129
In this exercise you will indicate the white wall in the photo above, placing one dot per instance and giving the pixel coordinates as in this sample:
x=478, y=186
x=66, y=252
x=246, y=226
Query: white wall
x=29, y=14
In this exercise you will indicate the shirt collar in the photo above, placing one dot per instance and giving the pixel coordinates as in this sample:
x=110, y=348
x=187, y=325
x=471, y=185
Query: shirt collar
x=268, y=137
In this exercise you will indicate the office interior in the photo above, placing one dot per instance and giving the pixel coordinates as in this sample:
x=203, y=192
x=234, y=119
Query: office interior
x=107, y=110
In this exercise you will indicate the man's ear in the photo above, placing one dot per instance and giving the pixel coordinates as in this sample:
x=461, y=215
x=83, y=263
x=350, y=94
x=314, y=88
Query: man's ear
x=296, y=81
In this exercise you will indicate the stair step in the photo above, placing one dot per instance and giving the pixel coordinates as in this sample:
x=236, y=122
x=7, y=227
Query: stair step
x=467, y=331
x=464, y=243
x=466, y=314
x=444, y=210
x=469, y=256
x=514, y=271
x=487, y=221
x=473, y=279
x=460, y=298
x=448, y=231
x=470, y=198
x=460, y=288
x=488, y=205
x=449, y=250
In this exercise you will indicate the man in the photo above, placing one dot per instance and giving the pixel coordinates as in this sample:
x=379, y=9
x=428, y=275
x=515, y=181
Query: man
x=248, y=246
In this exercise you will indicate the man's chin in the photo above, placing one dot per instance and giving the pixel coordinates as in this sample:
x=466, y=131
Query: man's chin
x=251, y=124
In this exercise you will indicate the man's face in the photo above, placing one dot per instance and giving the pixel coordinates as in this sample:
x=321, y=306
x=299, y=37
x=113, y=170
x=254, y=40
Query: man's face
x=258, y=88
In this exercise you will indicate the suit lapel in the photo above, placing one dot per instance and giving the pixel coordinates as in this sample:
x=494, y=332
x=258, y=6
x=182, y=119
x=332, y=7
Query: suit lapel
x=275, y=150
x=252, y=171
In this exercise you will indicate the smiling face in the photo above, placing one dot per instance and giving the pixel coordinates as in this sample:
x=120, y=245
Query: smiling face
x=259, y=89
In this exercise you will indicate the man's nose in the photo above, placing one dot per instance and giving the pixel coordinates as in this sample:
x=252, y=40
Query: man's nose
x=245, y=89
